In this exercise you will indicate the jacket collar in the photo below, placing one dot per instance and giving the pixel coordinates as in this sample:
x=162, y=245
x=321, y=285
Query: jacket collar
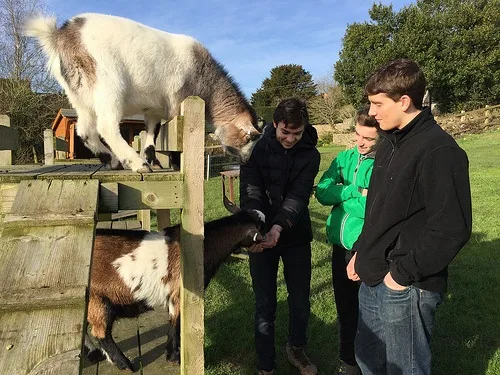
x=422, y=121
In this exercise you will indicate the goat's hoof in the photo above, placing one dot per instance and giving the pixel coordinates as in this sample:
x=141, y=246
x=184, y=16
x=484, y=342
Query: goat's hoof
x=144, y=169
x=124, y=364
x=155, y=164
x=174, y=357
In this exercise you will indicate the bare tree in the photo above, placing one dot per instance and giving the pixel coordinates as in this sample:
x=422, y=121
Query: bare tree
x=23, y=76
x=329, y=107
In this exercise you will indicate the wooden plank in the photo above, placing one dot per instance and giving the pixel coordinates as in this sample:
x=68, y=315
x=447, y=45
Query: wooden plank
x=170, y=135
x=42, y=298
x=35, y=337
x=7, y=194
x=119, y=225
x=145, y=195
x=72, y=172
x=55, y=197
x=107, y=175
x=144, y=216
x=103, y=225
x=134, y=225
x=192, y=291
x=49, y=220
x=53, y=258
x=163, y=219
x=163, y=175
x=17, y=173
x=108, y=197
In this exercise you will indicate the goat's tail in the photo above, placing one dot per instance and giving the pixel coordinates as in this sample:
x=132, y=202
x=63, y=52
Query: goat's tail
x=45, y=30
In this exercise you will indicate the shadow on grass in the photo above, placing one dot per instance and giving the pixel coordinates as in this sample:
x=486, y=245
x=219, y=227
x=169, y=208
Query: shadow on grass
x=467, y=331
x=229, y=343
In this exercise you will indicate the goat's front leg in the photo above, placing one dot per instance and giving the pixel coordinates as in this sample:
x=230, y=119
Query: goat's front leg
x=109, y=129
x=113, y=352
x=101, y=317
x=172, y=352
x=87, y=131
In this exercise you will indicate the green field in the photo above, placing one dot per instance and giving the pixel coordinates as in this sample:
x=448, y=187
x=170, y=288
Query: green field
x=466, y=338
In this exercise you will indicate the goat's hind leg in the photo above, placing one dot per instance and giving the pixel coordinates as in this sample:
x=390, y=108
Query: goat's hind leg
x=153, y=128
x=172, y=351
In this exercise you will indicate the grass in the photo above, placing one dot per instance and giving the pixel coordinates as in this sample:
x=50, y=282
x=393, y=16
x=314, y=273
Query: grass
x=466, y=337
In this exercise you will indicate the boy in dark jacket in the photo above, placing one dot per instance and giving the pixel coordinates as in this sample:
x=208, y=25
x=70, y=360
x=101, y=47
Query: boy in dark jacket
x=418, y=217
x=277, y=180
x=345, y=186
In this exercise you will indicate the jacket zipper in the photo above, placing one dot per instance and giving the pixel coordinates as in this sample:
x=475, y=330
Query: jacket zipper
x=360, y=159
x=342, y=227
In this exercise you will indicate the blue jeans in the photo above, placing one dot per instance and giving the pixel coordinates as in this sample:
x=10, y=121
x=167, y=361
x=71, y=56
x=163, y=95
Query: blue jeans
x=394, y=330
x=264, y=272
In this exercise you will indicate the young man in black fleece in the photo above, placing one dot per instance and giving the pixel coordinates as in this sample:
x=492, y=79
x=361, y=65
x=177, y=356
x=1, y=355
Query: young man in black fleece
x=418, y=217
x=277, y=180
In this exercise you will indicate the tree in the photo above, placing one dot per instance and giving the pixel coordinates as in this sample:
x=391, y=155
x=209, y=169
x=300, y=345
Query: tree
x=285, y=81
x=22, y=74
x=330, y=106
x=456, y=42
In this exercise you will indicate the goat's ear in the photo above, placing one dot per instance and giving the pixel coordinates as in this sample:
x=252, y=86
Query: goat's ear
x=230, y=206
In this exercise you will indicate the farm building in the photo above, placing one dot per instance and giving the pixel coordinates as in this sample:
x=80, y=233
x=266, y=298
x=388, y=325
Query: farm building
x=64, y=127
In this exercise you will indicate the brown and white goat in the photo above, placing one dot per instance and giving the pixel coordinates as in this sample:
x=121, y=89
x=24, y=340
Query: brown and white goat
x=136, y=271
x=111, y=67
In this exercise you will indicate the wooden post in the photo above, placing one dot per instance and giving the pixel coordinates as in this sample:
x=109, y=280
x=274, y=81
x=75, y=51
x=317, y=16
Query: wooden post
x=6, y=153
x=144, y=216
x=163, y=219
x=48, y=146
x=192, y=291
x=72, y=140
x=487, y=115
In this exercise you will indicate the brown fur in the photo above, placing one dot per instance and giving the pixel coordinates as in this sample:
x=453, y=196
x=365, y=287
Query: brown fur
x=76, y=62
x=105, y=281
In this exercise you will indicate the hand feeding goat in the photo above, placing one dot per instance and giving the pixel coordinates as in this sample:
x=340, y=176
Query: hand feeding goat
x=135, y=271
x=111, y=67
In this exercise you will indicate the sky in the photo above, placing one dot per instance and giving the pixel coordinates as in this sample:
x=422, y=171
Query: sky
x=248, y=37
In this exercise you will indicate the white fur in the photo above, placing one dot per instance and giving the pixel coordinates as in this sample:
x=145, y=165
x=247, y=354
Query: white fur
x=139, y=273
x=138, y=70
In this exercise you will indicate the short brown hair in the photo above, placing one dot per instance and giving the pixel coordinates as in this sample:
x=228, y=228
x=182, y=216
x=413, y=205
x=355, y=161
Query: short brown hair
x=292, y=112
x=364, y=119
x=397, y=78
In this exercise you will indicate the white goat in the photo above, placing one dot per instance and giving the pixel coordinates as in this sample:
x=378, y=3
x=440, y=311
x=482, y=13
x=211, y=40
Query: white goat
x=111, y=67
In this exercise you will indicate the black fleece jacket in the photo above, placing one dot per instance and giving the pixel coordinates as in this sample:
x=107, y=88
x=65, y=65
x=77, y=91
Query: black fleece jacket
x=278, y=182
x=418, y=211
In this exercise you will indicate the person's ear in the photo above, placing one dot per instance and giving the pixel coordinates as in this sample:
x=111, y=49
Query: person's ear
x=275, y=125
x=405, y=102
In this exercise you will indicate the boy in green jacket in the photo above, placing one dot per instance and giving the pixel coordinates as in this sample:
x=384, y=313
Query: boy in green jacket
x=345, y=186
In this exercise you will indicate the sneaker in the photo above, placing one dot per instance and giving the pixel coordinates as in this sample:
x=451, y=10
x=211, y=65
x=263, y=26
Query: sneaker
x=297, y=357
x=347, y=369
x=264, y=372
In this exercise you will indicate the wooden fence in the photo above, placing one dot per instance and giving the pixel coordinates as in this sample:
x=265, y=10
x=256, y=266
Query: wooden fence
x=55, y=207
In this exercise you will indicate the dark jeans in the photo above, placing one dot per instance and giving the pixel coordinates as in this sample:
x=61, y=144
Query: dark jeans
x=346, y=301
x=297, y=272
x=394, y=330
